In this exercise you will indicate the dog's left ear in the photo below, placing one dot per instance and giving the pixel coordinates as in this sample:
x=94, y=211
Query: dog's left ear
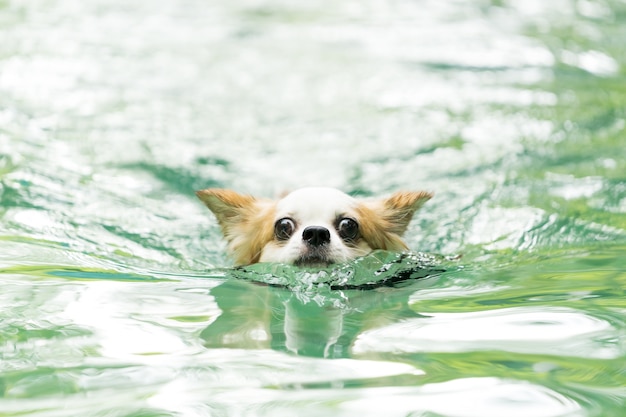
x=384, y=221
x=398, y=209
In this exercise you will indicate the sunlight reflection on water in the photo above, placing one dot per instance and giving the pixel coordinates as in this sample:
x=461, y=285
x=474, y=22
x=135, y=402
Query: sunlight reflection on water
x=135, y=321
x=472, y=397
x=547, y=331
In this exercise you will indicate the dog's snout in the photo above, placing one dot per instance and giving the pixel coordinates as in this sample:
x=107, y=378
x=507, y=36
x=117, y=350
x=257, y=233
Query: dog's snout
x=316, y=235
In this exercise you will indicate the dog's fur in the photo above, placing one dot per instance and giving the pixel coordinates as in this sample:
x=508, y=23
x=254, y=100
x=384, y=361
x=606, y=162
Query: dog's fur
x=313, y=226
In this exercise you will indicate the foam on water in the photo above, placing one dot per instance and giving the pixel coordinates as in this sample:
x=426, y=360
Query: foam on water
x=378, y=269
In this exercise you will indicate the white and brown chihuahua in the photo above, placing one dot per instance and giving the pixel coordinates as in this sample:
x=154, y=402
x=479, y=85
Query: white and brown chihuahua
x=313, y=226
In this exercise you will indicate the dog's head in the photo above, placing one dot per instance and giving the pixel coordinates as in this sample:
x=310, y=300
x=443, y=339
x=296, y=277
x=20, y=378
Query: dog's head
x=313, y=226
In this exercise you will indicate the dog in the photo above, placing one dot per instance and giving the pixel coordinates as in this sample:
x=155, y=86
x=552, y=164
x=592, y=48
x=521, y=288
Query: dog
x=310, y=227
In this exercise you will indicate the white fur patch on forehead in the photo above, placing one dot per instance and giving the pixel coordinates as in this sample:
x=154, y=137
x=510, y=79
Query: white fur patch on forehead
x=315, y=203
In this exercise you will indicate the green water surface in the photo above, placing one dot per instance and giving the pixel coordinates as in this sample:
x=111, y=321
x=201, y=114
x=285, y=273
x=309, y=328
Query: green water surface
x=116, y=295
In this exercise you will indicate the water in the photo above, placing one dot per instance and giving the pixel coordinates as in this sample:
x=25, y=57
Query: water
x=116, y=295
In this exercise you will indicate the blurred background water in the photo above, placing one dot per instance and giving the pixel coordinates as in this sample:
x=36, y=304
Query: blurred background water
x=114, y=300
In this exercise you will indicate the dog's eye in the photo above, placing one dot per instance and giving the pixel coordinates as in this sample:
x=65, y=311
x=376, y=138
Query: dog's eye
x=284, y=228
x=348, y=228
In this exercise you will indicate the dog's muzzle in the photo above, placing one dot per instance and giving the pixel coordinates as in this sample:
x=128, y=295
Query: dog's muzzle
x=316, y=236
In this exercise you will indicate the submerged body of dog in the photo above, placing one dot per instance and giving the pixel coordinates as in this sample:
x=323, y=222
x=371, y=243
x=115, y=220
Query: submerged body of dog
x=313, y=226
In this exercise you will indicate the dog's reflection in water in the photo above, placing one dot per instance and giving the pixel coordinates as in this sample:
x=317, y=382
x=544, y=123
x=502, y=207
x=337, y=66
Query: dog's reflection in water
x=256, y=316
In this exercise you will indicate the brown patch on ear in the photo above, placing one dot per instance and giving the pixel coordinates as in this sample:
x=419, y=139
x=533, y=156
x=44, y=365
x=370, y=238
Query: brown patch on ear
x=399, y=208
x=228, y=206
x=246, y=222
x=383, y=222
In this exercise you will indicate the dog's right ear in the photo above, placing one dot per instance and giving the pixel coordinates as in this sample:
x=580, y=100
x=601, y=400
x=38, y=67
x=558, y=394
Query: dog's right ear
x=230, y=208
x=246, y=221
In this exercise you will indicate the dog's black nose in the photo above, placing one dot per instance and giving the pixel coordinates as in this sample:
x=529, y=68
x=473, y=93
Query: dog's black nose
x=316, y=235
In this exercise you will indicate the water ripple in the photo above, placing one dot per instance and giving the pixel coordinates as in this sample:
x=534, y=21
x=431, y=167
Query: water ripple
x=470, y=397
x=466, y=397
x=534, y=330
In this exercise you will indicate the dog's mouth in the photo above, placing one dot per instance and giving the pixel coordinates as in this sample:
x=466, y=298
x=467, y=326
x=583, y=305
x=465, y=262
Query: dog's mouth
x=315, y=259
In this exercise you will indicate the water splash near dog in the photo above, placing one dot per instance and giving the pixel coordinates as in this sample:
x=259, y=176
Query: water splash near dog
x=377, y=269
